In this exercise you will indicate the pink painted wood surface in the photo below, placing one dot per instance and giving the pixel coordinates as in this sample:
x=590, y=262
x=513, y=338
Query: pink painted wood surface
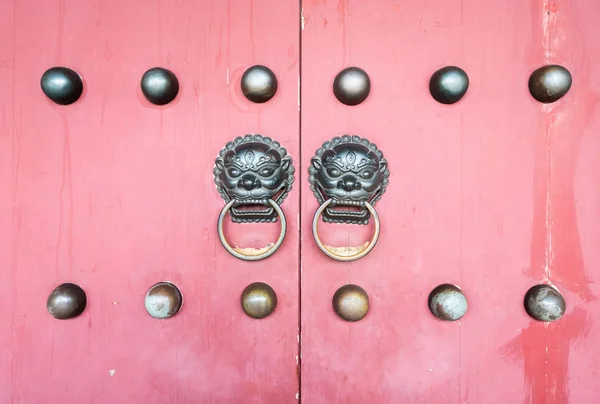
x=495, y=194
x=115, y=194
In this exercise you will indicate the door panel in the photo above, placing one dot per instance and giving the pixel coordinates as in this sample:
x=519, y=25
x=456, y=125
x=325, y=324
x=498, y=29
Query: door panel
x=115, y=194
x=493, y=194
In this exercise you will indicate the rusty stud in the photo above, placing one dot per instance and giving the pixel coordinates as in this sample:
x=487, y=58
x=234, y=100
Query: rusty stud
x=549, y=83
x=163, y=300
x=351, y=302
x=544, y=303
x=66, y=301
x=352, y=86
x=447, y=302
x=258, y=300
x=259, y=84
x=448, y=84
x=160, y=86
x=62, y=85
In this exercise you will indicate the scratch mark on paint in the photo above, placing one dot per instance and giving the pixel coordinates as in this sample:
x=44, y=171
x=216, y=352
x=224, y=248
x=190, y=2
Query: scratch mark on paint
x=66, y=182
x=60, y=31
x=549, y=16
x=549, y=384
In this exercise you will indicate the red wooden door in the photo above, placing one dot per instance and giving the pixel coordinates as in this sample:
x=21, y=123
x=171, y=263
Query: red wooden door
x=494, y=194
x=115, y=194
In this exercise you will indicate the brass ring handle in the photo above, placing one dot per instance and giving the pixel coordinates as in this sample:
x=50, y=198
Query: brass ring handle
x=239, y=252
x=332, y=252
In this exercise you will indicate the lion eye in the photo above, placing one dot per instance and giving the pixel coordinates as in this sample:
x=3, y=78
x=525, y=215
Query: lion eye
x=266, y=172
x=366, y=174
x=333, y=172
x=233, y=172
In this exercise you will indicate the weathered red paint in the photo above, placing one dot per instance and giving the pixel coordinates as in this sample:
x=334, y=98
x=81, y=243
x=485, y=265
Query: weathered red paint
x=115, y=194
x=495, y=194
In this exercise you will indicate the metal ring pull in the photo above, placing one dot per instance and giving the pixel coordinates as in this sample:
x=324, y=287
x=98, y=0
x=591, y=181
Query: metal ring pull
x=247, y=254
x=347, y=175
x=253, y=174
x=345, y=254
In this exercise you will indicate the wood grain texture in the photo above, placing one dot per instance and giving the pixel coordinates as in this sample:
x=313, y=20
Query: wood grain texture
x=495, y=194
x=115, y=194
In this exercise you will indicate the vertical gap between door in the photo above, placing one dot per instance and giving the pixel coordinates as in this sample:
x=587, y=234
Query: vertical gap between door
x=300, y=182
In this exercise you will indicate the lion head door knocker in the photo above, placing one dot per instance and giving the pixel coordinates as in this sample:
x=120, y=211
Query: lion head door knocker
x=253, y=174
x=347, y=175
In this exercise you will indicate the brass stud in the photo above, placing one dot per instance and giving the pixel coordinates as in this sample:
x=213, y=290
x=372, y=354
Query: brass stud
x=352, y=86
x=66, y=301
x=448, y=84
x=544, y=303
x=549, y=83
x=259, y=84
x=351, y=302
x=163, y=300
x=62, y=85
x=258, y=300
x=160, y=86
x=447, y=302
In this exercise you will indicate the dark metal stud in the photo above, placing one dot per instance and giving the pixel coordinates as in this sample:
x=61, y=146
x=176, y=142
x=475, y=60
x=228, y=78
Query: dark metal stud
x=351, y=302
x=62, y=85
x=549, y=83
x=352, y=86
x=163, y=300
x=258, y=300
x=259, y=84
x=448, y=84
x=160, y=86
x=544, y=303
x=447, y=302
x=66, y=301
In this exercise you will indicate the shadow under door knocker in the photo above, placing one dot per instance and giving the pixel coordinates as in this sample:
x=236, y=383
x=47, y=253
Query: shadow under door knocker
x=253, y=174
x=347, y=175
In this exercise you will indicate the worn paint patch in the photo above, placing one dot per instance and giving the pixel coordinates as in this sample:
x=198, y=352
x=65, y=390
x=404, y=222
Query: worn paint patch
x=544, y=349
x=253, y=251
x=348, y=251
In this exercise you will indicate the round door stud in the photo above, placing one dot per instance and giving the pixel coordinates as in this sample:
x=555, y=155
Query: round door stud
x=351, y=302
x=62, y=85
x=160, y=86
x=258, y=300
x=163, y=300
x=449, y=84
x=447, y=302
x=66, y=301
x=352, y=86
x=259, y=84
x=544, y=303
x=549, y=83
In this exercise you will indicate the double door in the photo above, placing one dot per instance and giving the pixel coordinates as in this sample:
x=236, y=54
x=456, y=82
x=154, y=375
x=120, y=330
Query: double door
x=449, y=149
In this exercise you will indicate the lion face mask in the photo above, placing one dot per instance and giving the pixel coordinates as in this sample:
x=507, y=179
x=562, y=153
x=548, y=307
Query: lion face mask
x=251, y=170
x=349, y=170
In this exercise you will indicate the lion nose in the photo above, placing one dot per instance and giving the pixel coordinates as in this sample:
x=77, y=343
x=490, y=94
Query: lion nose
x=249, y=182
x=349, y=183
